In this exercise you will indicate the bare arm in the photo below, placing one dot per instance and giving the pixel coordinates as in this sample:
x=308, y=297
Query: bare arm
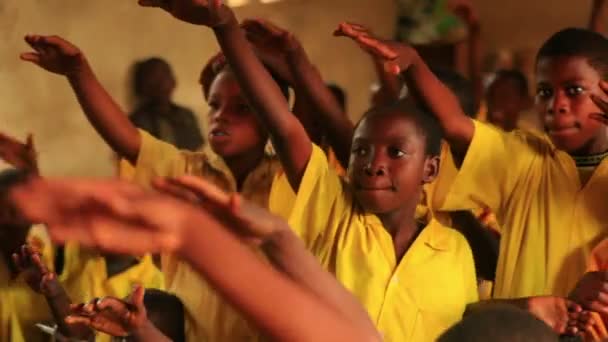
x=400, y=58
x=598, y=16
x=59, y=56
x=289, y=136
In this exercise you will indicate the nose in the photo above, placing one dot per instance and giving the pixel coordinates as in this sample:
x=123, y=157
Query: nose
x=376, y=166
x=558, y=104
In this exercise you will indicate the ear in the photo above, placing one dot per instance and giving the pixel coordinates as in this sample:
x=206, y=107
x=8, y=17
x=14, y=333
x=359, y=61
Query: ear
x=431, y=169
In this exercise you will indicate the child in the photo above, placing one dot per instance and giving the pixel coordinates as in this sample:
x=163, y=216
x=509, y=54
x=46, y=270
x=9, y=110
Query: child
x=153, y=85
x=509, y=102
x=534, y=180
x=108, y=214
x=365, y=234
x=240, y=163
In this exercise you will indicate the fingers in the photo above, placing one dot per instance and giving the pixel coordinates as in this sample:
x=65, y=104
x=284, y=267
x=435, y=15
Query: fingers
x=378, y=47
x=175, y=190
x=116, y=306
x=205, y=190
x=137, y=297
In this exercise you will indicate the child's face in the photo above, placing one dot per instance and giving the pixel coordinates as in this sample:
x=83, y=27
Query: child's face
x=388, y=164
x=564, y=86
x=233, y=127
x=158, y=83
x=505, y=103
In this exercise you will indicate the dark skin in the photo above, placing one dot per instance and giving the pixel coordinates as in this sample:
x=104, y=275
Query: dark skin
x=505, y=103
x=241, y=151
x=587, y=135
x=289, y=136
x=387, y=169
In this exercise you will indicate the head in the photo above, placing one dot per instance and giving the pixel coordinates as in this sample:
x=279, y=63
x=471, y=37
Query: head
x=569, y=67
x=153, y=80
x=233, y=127
x=500, y=323
x=395, y=151
x=461, y=87
x=507, y=97
x=339, y=95
x=166, y=312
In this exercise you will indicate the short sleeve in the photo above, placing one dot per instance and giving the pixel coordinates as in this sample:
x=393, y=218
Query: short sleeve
x=320, y=203
x=494, y=165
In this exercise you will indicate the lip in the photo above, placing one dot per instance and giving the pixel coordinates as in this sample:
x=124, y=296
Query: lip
x=371, y=188
x=563, y=131
x=218, y=134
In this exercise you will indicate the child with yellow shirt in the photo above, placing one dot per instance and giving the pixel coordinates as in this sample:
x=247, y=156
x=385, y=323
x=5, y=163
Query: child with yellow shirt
x=366, y=235
x=239, y=163
x=550, y=213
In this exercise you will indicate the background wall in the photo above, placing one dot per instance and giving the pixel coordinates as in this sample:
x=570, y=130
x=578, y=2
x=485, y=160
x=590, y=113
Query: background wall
x=114, y=33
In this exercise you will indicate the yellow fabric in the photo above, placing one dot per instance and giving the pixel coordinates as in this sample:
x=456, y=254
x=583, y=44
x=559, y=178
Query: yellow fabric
x=598, y=261
x=209, y=317
x=85, y=277
x=549, y=221
x=20, y=306
x=408, y=299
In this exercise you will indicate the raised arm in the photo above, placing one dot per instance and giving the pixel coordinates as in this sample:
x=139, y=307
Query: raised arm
x=598, y=15
x=61, y=57
x=289, y=137
x=280, y=244
x=403, y=59
x=323, y=109
x=108, y=215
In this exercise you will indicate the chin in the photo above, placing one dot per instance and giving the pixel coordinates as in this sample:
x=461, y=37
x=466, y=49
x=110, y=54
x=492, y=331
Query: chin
x=375, y=204
x=567, y=145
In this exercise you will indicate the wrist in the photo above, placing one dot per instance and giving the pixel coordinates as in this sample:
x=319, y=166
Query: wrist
x=227, y=20
x=81, y=71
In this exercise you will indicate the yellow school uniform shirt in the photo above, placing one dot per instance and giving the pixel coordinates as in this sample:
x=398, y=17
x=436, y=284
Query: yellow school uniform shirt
x=208, y=316
x=414, y=299
x=20, y=306
x=549, y=221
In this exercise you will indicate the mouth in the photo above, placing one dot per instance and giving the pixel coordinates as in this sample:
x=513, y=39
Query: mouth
x=373, y=188
x=218, y=133
x=563, y=131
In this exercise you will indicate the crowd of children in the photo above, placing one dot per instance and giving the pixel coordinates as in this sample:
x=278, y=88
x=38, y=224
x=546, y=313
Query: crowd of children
x=421, y=222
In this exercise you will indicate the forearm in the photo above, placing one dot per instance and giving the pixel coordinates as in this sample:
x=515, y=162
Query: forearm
x=59, y=304
x=390, y=85
x=288, y=254
x=325, y=108
x=250, y=285
x=289, y=137
x=105, y=115
x=598, y=15
x=475, y=56
x=458, y=129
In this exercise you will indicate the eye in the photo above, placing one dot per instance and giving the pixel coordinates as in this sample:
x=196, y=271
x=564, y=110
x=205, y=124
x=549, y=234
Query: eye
x=574, y=90
x=360, y=151
x=214, y=104
x=395, y=153
x=243, y=108
x=544, y=93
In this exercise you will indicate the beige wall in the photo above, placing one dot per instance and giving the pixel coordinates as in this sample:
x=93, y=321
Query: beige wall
x=114, y=33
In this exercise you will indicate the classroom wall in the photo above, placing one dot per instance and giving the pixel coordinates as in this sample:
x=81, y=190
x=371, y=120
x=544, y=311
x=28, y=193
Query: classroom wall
x=114, y=33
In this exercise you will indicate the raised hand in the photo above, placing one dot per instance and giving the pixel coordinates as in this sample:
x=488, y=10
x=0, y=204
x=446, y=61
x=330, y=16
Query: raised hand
x=272, y=44
x=105, y=214
x=397, y=57
x=29, y=262
x=20, y=155
x=198, y=12
x=111, y=315
x=602, y=104
x=252, y=223
x=54, y=54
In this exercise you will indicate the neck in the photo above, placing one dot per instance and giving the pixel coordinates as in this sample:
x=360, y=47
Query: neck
x=402, y=226
x=243, y=165
x=595, y=146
